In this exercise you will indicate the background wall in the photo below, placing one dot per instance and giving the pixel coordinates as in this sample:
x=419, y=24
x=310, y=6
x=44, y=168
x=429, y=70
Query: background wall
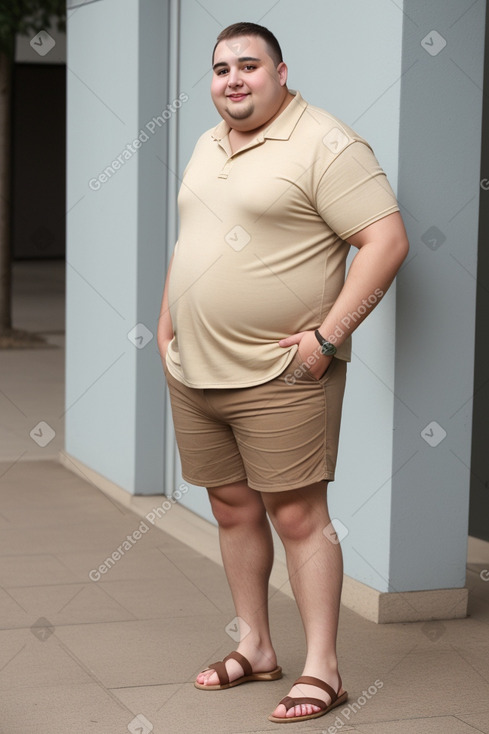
x=440, y=144
x=116, y=232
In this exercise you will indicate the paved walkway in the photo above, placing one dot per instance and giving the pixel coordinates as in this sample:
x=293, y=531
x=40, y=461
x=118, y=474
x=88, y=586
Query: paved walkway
x=89, y=644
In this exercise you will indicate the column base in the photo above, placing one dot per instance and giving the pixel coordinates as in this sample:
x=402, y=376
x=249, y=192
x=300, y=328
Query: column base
x=404, y=606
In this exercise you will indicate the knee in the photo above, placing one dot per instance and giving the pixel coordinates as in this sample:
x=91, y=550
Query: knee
x=230, y=513
x=293, y=521
x=227, y=515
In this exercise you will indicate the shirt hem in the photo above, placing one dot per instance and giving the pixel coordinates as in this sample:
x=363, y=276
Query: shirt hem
x=239, y=385
x=227, y=386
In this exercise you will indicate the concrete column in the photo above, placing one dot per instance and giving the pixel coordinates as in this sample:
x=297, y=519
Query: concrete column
x=118, y=108
x=409, y=527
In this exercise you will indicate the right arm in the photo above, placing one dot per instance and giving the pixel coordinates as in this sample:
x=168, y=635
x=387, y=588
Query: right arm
x=165, y=326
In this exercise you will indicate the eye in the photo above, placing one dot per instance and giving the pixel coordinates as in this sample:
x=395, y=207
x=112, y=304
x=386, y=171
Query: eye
x=249, y=67
x=221, y=72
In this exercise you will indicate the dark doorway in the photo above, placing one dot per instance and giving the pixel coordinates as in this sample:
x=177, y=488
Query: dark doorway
x=38, y=161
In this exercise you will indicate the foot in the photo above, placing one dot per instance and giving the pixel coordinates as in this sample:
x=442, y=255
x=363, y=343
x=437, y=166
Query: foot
x=306, y=691
x=261, y=662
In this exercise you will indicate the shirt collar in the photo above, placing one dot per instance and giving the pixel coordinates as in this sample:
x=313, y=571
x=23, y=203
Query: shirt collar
x=280, y=129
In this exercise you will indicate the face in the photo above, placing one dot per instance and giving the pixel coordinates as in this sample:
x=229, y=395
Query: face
x=247, y=88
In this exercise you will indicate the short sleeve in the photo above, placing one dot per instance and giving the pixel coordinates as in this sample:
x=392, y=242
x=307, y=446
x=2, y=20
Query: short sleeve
x=354, y=191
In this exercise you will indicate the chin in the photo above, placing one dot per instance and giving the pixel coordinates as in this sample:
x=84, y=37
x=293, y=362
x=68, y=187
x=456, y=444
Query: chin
x=241, y=125
x=241, y=120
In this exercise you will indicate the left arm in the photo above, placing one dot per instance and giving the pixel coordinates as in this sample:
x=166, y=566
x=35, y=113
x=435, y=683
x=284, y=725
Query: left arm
x=382, y=248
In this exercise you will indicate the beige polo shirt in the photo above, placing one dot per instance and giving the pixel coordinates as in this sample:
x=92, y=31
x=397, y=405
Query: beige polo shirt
x=261, y=250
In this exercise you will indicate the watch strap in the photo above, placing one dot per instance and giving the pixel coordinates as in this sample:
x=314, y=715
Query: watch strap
x=327, y=347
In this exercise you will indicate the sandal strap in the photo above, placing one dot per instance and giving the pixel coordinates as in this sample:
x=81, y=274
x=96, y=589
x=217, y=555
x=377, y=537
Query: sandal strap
x=220, y=668
x=311, y=681
x=245, y=664
x=221, y=671
x=289, y=702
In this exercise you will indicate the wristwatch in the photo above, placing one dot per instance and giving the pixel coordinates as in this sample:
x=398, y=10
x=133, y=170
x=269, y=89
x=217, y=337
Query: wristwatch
x=326, y=347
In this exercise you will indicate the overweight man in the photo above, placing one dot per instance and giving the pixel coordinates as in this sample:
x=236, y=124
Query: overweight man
x=254, y=335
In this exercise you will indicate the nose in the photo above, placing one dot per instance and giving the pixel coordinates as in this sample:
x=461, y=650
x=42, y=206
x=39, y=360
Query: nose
x=234, y=79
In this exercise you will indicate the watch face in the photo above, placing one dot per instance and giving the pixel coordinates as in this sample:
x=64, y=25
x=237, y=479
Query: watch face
x=328, y=349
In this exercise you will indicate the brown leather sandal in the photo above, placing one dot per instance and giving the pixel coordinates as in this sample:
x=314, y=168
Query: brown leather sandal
x=289, y=702
x=222, y=674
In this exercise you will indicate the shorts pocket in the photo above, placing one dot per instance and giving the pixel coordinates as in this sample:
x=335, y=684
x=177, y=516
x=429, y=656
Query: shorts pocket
x=301, y=370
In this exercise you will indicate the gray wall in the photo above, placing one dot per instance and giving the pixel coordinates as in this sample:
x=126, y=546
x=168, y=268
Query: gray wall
x=440, y=137
x=116, y=240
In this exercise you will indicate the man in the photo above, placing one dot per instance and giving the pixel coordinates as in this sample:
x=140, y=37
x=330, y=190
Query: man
x=254, y=334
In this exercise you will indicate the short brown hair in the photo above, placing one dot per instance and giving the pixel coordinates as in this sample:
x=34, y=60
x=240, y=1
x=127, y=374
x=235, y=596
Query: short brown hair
x=251, y=29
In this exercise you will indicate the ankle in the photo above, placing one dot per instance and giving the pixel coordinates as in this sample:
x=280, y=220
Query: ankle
x=257, y=651
x=323, y=660
x=326, y=670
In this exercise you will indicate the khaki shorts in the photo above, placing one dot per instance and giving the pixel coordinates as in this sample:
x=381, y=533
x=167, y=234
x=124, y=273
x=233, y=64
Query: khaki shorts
x=280, y=435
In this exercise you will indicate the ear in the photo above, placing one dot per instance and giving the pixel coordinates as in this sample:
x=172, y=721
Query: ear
x=282, y=72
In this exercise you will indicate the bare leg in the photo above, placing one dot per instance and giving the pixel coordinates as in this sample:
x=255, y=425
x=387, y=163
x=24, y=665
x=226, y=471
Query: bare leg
x=247, y=550
x=315, y=567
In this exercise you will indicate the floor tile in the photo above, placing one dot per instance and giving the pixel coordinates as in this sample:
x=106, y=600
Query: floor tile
x=63, y=604
x=173, y=596
x=65, y=709
x=148, y=652
x=432, y=725
x=30, y=569
x=37, y=657
x=479, y=721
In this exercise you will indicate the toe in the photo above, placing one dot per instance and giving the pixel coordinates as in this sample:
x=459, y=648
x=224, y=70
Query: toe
x=280, y=712
x=303, y=709
x=212, y=679
x=208, y=678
